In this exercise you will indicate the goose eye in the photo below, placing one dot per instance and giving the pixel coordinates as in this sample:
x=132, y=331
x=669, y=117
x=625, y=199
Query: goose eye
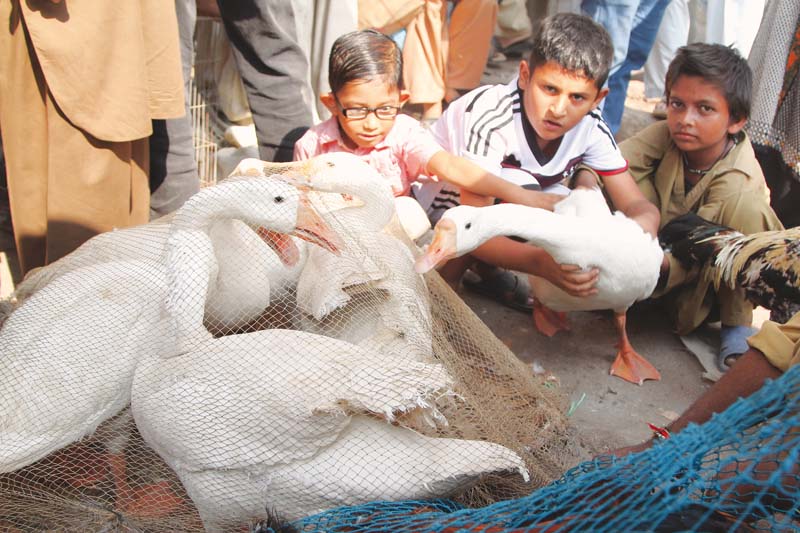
x=331, y=164
x=468, y=225
x=278, y=199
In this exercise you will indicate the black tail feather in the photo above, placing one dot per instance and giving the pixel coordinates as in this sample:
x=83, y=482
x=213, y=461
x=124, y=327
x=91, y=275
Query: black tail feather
x=684, y=237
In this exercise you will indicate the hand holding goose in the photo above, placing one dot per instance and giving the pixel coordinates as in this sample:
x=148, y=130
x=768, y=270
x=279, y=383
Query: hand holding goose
x=582, y=234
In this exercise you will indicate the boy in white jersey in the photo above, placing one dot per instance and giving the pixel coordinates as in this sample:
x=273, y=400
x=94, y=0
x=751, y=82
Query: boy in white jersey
x=536, y=132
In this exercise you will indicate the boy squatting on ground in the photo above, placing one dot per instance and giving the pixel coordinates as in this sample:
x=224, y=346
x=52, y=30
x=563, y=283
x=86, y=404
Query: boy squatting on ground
x=701, y=160
x=536, y=131
x=365, y=75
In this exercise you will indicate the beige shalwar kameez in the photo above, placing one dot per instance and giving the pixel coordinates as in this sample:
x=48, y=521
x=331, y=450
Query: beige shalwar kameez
x=780, y=343
x=438, y=56
x=79, y=84
x=732, y=193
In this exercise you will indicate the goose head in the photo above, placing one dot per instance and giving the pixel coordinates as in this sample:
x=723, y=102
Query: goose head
x=342, y=172
x=274, y=206
x=460, y=230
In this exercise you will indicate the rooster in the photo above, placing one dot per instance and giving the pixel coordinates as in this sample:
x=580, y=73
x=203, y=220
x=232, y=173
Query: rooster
x=765, y=264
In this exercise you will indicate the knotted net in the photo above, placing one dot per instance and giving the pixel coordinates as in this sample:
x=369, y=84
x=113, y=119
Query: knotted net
x=268, y=346
x=737, y=472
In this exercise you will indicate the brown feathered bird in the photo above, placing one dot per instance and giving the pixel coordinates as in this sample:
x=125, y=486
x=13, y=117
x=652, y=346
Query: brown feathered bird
x=765, y=264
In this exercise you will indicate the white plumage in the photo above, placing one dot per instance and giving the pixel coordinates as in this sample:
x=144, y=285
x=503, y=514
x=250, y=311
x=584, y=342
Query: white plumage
x=67, y=356
x=581, y=231
x=68, y=353
x=371, y=260
x=299, y=422
x=231, y=285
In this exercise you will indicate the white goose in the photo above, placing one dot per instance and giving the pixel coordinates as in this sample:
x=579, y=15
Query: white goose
x=68, y=353
x=371, y=259
x=249, y=272
x=193, y=268
x=581, y=231
x=296, y=421
x=301, y=423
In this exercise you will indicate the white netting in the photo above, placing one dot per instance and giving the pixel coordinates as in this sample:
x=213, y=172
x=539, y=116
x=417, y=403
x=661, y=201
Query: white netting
x=197, y=370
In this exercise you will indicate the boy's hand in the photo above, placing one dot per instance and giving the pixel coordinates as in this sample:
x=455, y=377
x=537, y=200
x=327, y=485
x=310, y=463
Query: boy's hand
x=569, y=278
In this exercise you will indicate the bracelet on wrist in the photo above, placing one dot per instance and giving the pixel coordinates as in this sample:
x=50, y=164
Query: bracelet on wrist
x=659, y=433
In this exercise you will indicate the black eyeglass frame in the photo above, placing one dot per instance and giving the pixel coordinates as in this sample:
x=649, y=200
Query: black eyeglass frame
x=363, y=112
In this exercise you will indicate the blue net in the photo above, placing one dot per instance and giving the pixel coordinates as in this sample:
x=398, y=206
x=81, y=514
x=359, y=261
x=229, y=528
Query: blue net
x=737, y=472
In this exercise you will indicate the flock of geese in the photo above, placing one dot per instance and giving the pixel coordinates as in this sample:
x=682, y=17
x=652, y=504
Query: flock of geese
x=301, y=419
x=290, y=418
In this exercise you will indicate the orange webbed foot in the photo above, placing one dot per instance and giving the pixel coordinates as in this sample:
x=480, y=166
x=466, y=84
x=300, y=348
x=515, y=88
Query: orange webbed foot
x=151, y=501
x=547, y=321
x=155, y=500
x=632, y=367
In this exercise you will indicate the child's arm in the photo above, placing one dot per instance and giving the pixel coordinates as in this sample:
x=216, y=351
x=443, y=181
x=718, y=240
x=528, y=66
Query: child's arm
x=626, y=196
x=522, y=257
x=467, y=175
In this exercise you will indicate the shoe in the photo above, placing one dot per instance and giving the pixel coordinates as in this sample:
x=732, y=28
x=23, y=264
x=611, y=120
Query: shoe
x=660, y=110
x=505, y=287
x=733, y=343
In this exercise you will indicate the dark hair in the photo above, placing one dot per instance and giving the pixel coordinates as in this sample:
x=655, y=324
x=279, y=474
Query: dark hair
x=363, y=56
x=575, y=42
x=717, y=64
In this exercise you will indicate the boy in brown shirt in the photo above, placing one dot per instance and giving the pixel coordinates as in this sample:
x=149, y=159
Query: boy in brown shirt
x=701, y=160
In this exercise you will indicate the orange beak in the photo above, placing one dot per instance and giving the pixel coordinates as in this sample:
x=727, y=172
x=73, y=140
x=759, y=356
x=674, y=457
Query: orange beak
x=312, y=228
x=441, y=248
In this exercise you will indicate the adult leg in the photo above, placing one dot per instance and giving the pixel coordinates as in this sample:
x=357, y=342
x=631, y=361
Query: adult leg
x=643, y=33
x=320, y=27
x=513, y=23
x=64, y=185
x=173, y=168
x=274, y=71
x=23, y=127
x=617, y=17
x=424, y=56
x=672, y=34
x=471, y=26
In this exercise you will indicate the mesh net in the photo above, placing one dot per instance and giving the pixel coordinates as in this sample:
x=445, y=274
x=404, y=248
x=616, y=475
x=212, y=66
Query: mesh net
x=737, y=472
x=774, y=60
x=268, y=346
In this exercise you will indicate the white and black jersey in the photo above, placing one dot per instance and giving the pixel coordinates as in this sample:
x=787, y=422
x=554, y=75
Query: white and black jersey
x=488, y=126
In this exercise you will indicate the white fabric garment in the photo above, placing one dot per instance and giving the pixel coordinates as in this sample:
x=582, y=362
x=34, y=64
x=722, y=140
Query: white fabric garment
x=487, y=126
x=672, y=34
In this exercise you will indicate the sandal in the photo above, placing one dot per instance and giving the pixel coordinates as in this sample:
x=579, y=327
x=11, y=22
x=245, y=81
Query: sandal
x=733, y=343
x=504, y=287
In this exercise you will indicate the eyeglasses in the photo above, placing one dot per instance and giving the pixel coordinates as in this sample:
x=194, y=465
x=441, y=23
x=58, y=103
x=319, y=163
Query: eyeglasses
x=384, y=112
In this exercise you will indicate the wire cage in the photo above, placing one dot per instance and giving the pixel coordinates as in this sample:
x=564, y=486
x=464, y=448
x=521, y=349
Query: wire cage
x=204, y=100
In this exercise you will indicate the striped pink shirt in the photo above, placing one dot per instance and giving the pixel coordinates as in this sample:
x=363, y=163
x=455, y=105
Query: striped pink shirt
x=401, y=157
